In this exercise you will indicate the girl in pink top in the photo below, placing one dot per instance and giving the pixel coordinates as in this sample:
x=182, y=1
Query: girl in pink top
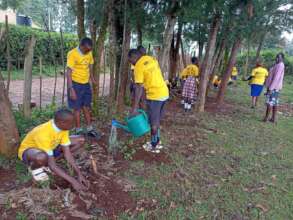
x=274, y=84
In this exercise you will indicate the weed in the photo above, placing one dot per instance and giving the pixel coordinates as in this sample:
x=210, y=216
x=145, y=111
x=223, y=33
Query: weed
x=21, y=216
x=22, y=173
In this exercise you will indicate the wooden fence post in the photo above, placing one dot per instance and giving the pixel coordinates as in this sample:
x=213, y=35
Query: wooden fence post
x=41, y=80
x=28, y=65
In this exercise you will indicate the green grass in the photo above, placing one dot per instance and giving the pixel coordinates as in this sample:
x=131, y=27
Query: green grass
x=242, y=170
x=47, y=71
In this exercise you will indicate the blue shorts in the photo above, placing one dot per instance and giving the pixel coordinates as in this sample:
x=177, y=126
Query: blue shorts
x=256, y=90
x=155, y=110
x=84, y=96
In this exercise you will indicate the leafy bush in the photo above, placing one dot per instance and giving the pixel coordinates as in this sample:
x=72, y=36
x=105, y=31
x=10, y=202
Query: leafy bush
x=38, y=117
x=18, y=36
x=268, y=56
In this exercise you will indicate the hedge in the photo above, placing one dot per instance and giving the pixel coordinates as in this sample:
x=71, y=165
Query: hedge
x=268, y=56
x=18, y=36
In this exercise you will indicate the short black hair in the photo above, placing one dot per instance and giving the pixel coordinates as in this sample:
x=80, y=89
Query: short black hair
x=133, y=52
x=86, y=42
x=194, y=59
x=140, y=47
x=62, y=114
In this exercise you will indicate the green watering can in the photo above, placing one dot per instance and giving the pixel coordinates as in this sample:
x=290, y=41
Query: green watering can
x=137, y=125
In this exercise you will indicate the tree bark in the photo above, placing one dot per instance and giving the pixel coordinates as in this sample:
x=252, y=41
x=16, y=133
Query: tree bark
x=119, y=31
x=183, y=55
x=80, y=19
x=220, y=55
x=167, y=39
x=139, y=32
x=260, y=44
x=9, y=137
x=206, y=65
x=124, y=65
x=8, y=55
x=228, y=72
x=99, y=45
x=174, y=52
x=28, y=64
x=112, y=56
x=247, y=59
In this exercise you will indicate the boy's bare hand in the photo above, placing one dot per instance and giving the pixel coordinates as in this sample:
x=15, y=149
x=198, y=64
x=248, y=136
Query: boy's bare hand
x=72, y=94
x=77, y=186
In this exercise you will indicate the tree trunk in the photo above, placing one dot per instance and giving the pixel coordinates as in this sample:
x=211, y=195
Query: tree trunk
x=99, y=45
x=80, y=19
x=139, y=33
x=112, y=56
x=9, y=137
x=167, y=39
x=174, y=53
x=124, y=65
x=183, y=54
x=206, y=65
x=8, y=56
x=262, y=38
x=228, y=72
x=220, y=55
x=119, y=30
x=200, y=50
x=247, y=59
x=28, y=64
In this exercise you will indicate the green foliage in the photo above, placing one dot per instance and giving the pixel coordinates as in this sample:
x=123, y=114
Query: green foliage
x=38, y=116
x=19, y=35
x=22, y=173
x=21, y=216
x=268, y=57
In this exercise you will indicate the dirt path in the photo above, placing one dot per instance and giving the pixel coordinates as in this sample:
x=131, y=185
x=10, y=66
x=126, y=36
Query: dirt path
x=16, y=90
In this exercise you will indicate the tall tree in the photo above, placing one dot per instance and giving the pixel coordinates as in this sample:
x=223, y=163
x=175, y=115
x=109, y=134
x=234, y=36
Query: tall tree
x=80, y=10
x=206, y=65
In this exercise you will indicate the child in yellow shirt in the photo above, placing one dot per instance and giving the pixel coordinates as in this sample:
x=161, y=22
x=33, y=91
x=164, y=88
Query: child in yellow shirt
x=50, y=140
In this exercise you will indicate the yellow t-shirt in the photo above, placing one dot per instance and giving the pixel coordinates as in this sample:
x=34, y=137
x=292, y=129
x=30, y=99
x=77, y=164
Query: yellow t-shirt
x=234, y=71
x=45, y=137
x=79, y=63
x=190, y=70
x=147, y=72
x=259, y=75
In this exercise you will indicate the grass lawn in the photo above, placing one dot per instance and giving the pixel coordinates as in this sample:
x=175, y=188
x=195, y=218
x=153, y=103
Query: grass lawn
x=224, y=166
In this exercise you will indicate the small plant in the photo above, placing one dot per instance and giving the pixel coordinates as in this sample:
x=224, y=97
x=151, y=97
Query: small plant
x=21, y=216
x=128, y=150
x=22, y=174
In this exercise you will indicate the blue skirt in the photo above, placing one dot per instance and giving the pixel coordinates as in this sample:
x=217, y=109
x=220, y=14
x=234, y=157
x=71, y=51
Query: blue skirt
x=256, y=90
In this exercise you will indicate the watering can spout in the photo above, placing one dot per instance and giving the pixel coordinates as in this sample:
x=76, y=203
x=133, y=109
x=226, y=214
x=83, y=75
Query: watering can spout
x=119, y=125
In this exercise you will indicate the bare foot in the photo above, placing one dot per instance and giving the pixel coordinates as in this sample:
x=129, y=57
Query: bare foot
x=265, y=120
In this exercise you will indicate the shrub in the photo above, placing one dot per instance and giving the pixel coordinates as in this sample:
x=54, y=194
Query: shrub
x=268, y=57
x=18, y=36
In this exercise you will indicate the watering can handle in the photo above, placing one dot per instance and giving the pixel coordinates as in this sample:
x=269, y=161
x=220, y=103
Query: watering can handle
x=144, y=113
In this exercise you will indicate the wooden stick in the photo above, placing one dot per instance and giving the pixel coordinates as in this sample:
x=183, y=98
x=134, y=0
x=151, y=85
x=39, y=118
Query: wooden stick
x=94, y=165
x=63, y=63
x=104, y=75
x=41, y=83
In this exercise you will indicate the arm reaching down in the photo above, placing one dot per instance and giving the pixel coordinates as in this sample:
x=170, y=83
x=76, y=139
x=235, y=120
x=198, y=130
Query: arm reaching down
x=69, y=158
x=61, y=173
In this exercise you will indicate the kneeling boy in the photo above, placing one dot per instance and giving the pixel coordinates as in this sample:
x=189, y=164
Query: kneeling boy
x=47, y=141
